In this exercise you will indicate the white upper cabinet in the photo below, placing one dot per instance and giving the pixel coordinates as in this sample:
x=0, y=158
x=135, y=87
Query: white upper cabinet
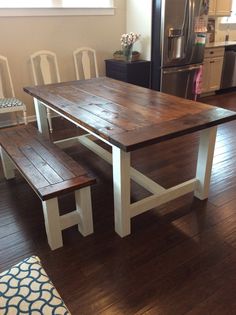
x=212, y=7
x=220, y=7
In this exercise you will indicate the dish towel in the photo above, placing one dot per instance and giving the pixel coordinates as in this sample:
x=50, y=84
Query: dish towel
x=197, y=83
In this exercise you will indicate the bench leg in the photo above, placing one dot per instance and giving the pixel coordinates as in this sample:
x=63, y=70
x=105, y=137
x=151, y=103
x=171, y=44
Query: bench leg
x=25, y=117
x=52, y=223
x=84, y=209
x=8, y=167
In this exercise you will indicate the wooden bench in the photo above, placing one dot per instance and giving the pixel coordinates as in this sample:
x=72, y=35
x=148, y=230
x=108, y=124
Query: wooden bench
x=50, y=172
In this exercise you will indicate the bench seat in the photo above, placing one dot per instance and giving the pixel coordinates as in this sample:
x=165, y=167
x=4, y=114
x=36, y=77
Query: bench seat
x=50, y=172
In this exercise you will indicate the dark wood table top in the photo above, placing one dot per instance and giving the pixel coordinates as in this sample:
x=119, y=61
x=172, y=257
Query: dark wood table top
x=126, y=115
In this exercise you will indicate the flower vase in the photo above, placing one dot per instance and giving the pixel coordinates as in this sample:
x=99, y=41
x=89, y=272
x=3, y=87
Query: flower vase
x=127, y=53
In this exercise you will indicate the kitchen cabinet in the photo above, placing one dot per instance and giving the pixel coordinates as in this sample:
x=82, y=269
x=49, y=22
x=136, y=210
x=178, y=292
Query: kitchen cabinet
x=220, y=7
x=212, y=69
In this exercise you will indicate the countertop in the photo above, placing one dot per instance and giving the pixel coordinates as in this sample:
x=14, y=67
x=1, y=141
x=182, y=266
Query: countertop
x=221, y=44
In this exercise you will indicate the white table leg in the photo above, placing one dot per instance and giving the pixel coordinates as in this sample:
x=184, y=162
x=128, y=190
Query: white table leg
x=52, y=223
x=121, y=184
x=204, y=163
x=8, y=167
x=41, y=116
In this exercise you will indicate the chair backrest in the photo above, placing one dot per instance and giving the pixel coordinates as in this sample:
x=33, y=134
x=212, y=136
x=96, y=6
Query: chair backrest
x=45, y=67
x=85, y=63
x=6, y=86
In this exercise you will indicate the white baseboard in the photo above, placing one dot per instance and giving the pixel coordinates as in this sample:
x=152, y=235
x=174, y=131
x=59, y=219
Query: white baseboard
x=10, y=122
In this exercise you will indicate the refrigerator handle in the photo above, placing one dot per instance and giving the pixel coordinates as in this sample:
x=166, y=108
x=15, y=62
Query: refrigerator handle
x=188, y=69
x=186, y=24
x=190, y=23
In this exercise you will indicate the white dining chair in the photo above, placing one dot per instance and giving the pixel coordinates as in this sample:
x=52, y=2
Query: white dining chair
x=8, y=102
x=85, y=61
x=45, y=71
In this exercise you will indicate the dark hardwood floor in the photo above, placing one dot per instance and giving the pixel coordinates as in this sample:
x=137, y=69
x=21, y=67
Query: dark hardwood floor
x=180, y=257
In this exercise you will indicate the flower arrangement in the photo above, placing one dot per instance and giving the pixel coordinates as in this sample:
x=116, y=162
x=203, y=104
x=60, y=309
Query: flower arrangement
x=129, y=39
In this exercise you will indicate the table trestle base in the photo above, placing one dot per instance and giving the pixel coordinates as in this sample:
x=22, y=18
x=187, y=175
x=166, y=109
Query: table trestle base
x=135, y=175
x=160, y=194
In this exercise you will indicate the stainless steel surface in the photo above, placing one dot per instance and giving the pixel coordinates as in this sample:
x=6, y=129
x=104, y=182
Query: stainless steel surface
x=178, y=41
x=182, y=69
x=180, y=45
x=228, y=77
x=175, y=43
x=180, y=81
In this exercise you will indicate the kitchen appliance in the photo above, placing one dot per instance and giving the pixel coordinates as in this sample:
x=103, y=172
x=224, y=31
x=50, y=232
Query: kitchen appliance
x=178, y=40
x=228, y=77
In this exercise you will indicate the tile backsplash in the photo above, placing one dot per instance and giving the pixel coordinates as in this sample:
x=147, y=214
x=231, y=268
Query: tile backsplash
x=222, y=30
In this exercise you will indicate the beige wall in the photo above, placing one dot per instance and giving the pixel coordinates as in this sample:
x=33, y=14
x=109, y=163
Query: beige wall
x=139, y=20
x=22, y=36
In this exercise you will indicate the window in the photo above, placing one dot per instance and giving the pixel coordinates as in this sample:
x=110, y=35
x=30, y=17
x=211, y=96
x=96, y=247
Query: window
x=56, y=4
x=56, y=7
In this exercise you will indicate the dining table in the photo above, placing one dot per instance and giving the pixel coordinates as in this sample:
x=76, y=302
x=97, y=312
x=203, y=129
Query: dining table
x=128, y=118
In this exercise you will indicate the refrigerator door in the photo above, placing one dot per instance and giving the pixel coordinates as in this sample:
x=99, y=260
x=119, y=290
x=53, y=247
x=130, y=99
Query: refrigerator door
x=182, y=34
x=180, y=81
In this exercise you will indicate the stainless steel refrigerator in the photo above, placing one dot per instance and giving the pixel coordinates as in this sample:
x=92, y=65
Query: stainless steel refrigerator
x=178, y=40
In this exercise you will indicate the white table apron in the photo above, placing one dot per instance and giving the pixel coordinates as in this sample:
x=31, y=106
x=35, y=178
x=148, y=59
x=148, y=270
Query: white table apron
x=124, y=210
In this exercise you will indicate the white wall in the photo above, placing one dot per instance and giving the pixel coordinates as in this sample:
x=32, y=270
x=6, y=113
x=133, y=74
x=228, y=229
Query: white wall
x=138, y=20
x=22, y=36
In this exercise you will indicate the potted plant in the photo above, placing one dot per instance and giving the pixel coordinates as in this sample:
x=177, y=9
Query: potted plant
x=118, y=55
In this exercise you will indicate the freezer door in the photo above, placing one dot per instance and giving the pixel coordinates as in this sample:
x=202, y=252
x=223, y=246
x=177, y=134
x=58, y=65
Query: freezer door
x=180, y=81
x=181, y=40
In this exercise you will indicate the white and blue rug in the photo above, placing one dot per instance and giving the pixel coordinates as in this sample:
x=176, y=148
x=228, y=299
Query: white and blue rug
x=26, y=289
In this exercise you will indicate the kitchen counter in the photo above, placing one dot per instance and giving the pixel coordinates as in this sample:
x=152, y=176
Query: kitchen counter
x=221, y=44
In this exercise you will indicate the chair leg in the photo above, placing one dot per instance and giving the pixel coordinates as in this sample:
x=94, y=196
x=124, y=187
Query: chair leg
x=49, y=119
x=52, y=223
x=84, y=207
x=25, y=117
x=17, y=118
x=8, y=167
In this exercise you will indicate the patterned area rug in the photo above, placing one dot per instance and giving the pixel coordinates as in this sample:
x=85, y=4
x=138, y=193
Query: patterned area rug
x=26, y=289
